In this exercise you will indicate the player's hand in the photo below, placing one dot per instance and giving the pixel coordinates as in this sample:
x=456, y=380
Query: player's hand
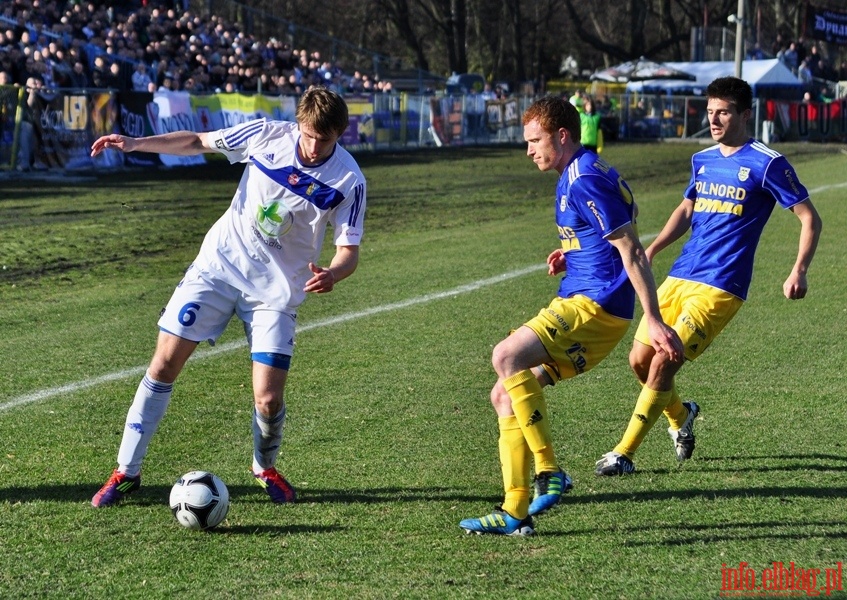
x=322, y=282
x=664, y=339
x=649, y=253
x=556, y=262
x=795, y=287
x=114, y=141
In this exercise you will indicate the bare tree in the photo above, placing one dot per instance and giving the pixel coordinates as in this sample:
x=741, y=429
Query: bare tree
x=398, y=13
x=516, y=40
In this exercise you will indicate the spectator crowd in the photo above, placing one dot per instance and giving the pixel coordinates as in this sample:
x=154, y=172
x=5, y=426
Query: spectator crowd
x=808, y=63
x=78, y=44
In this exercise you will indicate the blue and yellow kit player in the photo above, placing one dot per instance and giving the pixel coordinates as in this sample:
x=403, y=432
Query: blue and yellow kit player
x=734, y=188
x=605, y=268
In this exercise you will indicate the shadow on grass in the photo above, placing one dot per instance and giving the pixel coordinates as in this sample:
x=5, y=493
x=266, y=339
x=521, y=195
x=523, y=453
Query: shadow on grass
x=706, y=494
x=688, y=533
x=157, y=494
x=813, y=456
x=150, y=495
x=273, y=529
x=801, y=462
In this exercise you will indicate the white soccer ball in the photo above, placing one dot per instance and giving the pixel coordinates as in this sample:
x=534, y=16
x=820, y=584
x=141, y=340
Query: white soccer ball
x=199, y=500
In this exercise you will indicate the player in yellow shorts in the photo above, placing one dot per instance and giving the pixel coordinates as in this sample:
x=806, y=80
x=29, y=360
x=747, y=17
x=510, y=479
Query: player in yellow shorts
x=577, y=334
x=732, y=192
x=605, y=267
x=696, y=311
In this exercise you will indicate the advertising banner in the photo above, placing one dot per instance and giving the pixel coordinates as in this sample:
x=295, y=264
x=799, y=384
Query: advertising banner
x=171, y=111
x=361, y=129
x=63, y=129
x=827, y=25
x=134, y=123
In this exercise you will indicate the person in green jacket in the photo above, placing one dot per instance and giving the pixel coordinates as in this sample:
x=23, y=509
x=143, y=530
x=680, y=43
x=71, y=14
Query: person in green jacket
x=590, y=121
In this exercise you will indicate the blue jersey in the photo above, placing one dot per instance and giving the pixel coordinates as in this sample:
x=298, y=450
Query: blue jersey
x=733, y=198
x=592, y=202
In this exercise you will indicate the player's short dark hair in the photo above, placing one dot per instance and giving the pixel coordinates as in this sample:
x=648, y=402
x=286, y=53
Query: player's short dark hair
x=554, y=113
x=733, y=90
x=323, y=110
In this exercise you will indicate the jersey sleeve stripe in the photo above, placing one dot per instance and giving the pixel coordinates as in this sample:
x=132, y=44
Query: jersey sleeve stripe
x=240, y=133
x=573, y=171
x=358, y=193
x=764, y=149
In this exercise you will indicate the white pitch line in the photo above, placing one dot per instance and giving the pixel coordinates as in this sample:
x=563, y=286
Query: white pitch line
x=824, y=188
x=77, y=386
x=85, y=384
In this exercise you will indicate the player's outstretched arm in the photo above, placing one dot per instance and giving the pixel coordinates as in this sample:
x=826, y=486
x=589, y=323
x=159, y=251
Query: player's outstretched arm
x=662, y=337
x=182, y=143
x=678, y=223
x=343, y=264
x=796, y=286
x=112, y=141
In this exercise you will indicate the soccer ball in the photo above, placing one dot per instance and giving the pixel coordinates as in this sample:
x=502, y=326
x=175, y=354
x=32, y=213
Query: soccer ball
x=199, y=500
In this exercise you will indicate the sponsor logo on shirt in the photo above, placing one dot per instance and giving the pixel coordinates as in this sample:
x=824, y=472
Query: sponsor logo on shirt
x=266, y=241
x=293, y=179
x=563, y=203
x=719, y=198
x=569, y=239
x=593, y=207
x=274, y=220
x=789, y=177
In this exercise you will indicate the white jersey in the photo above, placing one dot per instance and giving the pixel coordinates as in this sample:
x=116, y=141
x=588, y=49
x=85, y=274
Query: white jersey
x=275, y=226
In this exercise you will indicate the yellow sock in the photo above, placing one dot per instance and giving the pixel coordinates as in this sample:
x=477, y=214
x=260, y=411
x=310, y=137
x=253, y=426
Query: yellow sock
x=675, y=411
x=514, y=461
x=647, y=411
x=531, y=412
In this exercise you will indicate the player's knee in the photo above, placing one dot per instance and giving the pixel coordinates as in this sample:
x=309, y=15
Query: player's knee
x=268, y=403
x=164, y=371
x=502, y=359
x=639, y=362
x=500, y=399
x=664, y=366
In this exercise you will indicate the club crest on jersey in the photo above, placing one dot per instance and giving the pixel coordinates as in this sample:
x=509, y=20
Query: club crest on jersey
x=293, y=179
x=563, y=203
x=743, y=173
x=312, y=189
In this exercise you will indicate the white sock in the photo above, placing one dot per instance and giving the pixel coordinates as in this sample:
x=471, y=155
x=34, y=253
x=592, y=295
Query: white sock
x=267, y=436
x=142, y=420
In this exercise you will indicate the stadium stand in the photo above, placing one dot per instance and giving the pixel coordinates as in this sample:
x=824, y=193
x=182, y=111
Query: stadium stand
x=69, y=44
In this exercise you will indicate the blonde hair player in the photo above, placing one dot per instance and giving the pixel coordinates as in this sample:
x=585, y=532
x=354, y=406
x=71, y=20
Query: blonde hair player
x=258, y=261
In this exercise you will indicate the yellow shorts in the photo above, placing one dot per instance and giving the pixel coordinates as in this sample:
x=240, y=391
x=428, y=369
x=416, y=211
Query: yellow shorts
x=696, y=311
x=577, y=334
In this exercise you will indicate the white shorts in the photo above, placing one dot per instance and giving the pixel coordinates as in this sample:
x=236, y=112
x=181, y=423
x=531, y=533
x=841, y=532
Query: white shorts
x=199, y=310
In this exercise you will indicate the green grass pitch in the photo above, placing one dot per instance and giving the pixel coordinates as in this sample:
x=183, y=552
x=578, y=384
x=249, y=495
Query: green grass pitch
x=390, y=437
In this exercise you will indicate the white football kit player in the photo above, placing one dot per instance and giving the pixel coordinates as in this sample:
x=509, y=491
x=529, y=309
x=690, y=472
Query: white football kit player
x=254, y=261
